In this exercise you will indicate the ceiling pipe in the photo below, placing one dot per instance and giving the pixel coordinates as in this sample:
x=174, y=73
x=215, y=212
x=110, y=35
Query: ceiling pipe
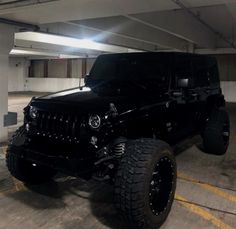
x=12, y=2
x=23, y=3
x=189, y=11
x=20, y=24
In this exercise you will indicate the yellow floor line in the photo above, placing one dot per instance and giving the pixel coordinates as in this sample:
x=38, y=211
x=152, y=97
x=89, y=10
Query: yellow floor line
x=190, y=206
x=209, y=187
x=8, y=192
x=19, y=186
x=203, y=213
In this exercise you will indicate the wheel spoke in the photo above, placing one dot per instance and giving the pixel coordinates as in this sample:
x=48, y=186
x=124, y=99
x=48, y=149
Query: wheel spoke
x=161, y=185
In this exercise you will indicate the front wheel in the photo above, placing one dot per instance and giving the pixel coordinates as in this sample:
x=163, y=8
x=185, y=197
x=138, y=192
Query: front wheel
x=145, y=183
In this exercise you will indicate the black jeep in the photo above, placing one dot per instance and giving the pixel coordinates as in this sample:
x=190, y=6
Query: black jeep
x=120, y=126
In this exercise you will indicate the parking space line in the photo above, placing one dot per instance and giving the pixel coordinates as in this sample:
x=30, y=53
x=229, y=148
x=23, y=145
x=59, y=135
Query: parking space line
x=19, y=186
x=8, y=192
x=209, y=187
x=202, y=213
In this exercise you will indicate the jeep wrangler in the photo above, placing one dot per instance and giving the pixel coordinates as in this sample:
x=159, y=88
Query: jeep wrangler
x=120, y=128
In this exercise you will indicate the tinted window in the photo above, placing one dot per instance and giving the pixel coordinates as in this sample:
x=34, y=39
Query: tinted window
x=182, y=69
x=213, y=71
x=201, y=72
x=151, y=70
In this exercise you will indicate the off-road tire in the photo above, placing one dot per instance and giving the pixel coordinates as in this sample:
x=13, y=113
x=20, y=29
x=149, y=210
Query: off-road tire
x=24, y=170
x=216, y=133
x=134, y=183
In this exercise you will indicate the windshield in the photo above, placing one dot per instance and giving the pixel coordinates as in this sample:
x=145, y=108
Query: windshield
x=148, y=72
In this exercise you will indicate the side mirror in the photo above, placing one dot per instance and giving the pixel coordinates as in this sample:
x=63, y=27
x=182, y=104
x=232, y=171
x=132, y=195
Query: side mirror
x=183, y=83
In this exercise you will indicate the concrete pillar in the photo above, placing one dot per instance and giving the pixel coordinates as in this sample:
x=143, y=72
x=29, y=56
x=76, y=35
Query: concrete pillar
x=6, y=44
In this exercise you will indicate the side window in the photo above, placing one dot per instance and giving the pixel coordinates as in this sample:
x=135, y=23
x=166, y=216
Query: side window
x=201, y=72
x=213, y=71
x=154, y=74
x=183, y=69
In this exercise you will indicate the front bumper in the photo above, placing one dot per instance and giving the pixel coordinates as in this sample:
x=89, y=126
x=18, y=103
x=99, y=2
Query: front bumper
x=76, y=160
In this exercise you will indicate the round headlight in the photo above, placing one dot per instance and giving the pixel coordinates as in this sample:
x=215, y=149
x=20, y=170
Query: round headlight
x=33, y=112
x=94, y=121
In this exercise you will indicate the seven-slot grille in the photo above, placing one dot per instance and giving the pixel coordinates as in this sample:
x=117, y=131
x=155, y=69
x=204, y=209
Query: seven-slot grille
x=59, y=126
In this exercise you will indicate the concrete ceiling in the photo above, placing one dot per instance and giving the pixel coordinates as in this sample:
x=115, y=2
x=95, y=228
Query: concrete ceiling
x=205, y=26
x=49, y=11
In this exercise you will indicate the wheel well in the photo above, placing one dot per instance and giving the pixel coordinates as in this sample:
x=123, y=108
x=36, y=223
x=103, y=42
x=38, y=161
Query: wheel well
x=215, y=101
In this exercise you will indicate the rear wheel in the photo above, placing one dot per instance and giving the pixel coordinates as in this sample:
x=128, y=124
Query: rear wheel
x=145, y=183
x=216, y=133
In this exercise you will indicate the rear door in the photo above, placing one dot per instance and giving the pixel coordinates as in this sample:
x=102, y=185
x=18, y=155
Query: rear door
x=201, y=91
x=183, y=102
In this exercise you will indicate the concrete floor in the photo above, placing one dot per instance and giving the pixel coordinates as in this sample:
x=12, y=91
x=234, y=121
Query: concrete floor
x=205, y=197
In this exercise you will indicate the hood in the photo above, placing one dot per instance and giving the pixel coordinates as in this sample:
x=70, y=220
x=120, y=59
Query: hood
x=85, y=100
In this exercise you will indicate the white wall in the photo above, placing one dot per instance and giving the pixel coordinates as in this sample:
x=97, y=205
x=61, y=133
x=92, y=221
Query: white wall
x=51, y=84
x=227, y=67
x=229, y=90
x=18, y=76
x=6, y=44
x=18, y=70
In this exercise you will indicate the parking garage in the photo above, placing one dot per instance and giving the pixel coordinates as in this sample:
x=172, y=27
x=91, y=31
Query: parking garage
x=51, y=45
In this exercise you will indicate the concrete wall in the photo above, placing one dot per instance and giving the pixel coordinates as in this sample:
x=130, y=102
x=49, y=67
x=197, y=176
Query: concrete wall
x=38, y=68
x=229, y=90
x=18, y=70
x=6, y=44
x=18, y=75
x=76, y=68
x=51, y=84
x=227, y=70
x=227, y=67
x=57, y=68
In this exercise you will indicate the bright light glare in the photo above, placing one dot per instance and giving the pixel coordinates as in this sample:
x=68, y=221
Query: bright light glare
x=69, y=92
x=17, y=51
x=68, y=41
x=22, y=52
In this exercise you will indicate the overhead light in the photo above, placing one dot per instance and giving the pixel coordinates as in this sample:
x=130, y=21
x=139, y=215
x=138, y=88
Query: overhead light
x=69, y=42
